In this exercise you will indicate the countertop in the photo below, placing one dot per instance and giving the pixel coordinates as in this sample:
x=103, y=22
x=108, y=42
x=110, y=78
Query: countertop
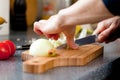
x=97, y=69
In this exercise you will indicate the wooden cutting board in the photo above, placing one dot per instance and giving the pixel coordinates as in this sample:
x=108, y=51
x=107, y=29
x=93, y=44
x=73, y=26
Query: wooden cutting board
x=80, y=57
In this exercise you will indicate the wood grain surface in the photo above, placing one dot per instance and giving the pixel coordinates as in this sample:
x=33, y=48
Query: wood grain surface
x=80, y=57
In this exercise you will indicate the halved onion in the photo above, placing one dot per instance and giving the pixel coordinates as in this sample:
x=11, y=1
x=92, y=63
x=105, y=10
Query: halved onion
x=41, y=47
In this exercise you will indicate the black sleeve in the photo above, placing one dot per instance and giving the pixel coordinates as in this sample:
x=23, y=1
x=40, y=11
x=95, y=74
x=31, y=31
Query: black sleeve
x=113, y=6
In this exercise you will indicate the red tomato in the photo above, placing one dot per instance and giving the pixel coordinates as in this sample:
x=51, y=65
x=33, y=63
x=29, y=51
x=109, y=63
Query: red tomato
x=4, y=51
x=11, y=45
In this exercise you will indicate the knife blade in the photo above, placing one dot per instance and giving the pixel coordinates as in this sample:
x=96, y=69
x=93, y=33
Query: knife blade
x=86, y=40
x=82, y=41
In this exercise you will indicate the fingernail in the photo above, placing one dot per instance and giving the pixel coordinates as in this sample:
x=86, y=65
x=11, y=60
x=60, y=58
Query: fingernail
x=75, y=46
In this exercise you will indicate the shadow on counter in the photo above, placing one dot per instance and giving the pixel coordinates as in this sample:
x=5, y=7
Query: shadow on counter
x=115, y=70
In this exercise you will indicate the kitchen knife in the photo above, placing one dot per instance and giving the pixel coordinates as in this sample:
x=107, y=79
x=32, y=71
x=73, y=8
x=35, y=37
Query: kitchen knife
x=82, y=41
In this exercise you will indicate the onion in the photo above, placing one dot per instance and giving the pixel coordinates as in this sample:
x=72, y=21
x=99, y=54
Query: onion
x=41, y=47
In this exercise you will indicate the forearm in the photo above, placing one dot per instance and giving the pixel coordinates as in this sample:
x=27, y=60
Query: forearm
x=84, y=11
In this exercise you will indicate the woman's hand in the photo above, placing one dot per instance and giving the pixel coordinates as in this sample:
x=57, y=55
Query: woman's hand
x=108, y=30
x=82, y=12
x=52, y=27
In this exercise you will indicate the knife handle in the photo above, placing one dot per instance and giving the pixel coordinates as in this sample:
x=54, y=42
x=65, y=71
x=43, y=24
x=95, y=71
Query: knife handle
x=115, y=35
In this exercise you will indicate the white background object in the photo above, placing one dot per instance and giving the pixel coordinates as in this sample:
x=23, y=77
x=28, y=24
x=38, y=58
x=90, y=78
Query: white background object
x=4, y=12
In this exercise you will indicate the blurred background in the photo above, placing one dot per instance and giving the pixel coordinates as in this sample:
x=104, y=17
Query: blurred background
x=24, y=12
x=20, y=15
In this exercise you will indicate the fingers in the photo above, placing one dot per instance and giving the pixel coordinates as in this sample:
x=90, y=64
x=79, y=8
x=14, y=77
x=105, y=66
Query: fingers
x=53, y=36
x=104, y=35
x=100, y=27
x=36, y=29
x=38, y=26
x=69, y=33
x=71, y=43
x=106, y=30
x=115, y=32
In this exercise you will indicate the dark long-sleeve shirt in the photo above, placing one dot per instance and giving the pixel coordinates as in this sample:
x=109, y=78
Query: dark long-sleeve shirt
x=113, y=6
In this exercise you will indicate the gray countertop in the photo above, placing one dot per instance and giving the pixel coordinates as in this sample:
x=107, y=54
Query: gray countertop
x=98, y=69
